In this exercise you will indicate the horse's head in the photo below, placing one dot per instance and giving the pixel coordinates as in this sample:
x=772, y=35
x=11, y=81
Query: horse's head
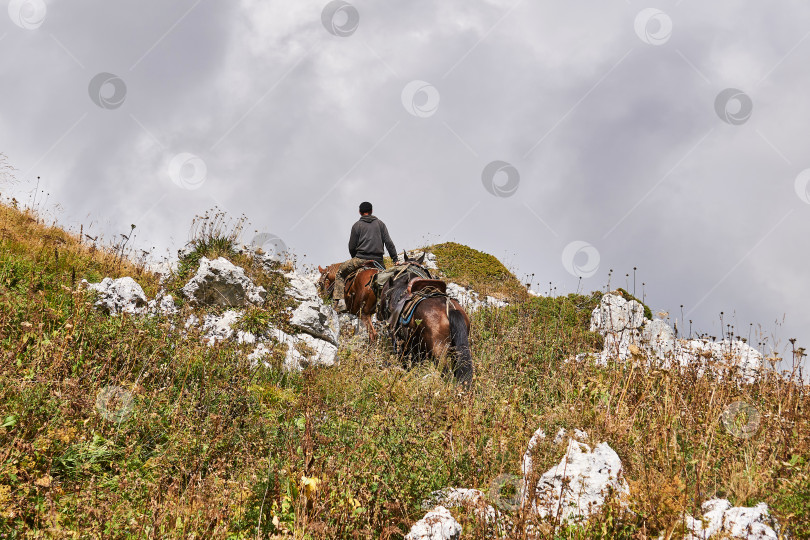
x=398, y=283
x=327, y=278
x=420, y=260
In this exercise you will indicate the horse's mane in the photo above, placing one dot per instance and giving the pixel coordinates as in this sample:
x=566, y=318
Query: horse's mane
x=400, y=283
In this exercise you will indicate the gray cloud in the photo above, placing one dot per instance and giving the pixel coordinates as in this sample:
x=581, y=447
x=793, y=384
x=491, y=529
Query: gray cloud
x=616, y=141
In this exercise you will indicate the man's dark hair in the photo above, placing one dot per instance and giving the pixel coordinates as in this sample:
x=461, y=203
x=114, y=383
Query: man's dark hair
x=365, y=207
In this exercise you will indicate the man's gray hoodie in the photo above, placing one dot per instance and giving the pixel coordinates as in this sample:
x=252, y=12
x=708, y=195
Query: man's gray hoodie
x=368, y=236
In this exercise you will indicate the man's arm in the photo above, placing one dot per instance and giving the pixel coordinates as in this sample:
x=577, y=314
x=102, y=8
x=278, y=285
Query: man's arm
x=389, y=244
x=353, y=241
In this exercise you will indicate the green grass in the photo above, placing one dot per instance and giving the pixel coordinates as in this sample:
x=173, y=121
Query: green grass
x=476, y=269
x=215, y=448
x=627, y=296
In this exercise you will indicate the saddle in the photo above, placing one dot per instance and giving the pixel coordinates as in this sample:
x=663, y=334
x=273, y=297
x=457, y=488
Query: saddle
x=368, y=264
x=417, y=284
x=418, y=290
x=353, y=274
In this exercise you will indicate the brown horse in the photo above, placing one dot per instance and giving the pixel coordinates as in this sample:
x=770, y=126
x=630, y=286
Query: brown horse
x=359, y=296
x=437, y=327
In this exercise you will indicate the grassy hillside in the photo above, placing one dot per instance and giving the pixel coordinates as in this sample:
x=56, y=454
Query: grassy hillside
x=476, y=269
x=210, y=447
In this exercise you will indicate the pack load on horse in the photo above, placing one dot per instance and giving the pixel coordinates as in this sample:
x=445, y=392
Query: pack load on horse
x=359, y=296
x=422, y=317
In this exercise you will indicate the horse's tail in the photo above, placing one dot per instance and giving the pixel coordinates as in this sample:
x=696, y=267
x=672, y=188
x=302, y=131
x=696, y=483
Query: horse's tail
x=459, y=338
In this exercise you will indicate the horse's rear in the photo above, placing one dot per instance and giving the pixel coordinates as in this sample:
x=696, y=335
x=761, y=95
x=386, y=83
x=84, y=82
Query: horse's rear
x=441, y=328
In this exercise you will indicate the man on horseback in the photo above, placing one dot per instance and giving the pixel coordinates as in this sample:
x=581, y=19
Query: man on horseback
x=366, y=242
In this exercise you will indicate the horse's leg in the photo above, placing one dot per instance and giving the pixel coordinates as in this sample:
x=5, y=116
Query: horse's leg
x=365, y=318
x=369, y=304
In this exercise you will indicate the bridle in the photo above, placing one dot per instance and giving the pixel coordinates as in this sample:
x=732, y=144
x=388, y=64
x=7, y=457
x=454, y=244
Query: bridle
x=322, y=282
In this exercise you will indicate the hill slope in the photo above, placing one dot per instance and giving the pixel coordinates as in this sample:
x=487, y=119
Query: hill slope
x=477, y=270
x=130, y=425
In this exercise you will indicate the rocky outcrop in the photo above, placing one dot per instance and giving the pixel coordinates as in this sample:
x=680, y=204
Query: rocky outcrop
x=578, y=486
x=300, y=350
x=627, y=334
x=219, y=282
x=620, y=322
x=527, y=465
x=122, y=295
x=312, y=316
x=220, y=327
x=304, y=351
x=733, y=354
x=125, y=295
x=163, y=304
x=438, y=524
x=721, y=520
x=562, y=433
x=471, y=300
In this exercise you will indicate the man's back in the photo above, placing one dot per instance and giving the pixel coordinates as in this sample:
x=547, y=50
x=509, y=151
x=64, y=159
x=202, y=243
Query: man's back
x=368, y=237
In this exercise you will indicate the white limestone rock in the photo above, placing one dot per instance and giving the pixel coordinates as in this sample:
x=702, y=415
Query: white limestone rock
x=163, y=268
x=300, y=350
x=192, y=320
x=579, y=435
x=527, y=466
x=258, y=353
x=122, y=295
x=347, y=319
x=617, y=314
x=312, y=316
x=220, y=327
x=163, y=304
x=659, y=339
x=721, y=520
x=317, y=319
x=220, y=282
x=301, y=287
x=714, y=354
x=619, y=321
x=579, y=485
x=185, y=251
x=438, y=524
x=471, y=300
x=627, y=332
x=304, y=350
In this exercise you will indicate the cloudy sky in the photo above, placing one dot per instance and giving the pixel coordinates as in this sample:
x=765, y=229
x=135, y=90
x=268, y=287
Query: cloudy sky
x=566, y=138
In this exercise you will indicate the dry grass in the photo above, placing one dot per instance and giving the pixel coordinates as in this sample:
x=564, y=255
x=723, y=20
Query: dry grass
x=215, y=448
x=75, y=256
